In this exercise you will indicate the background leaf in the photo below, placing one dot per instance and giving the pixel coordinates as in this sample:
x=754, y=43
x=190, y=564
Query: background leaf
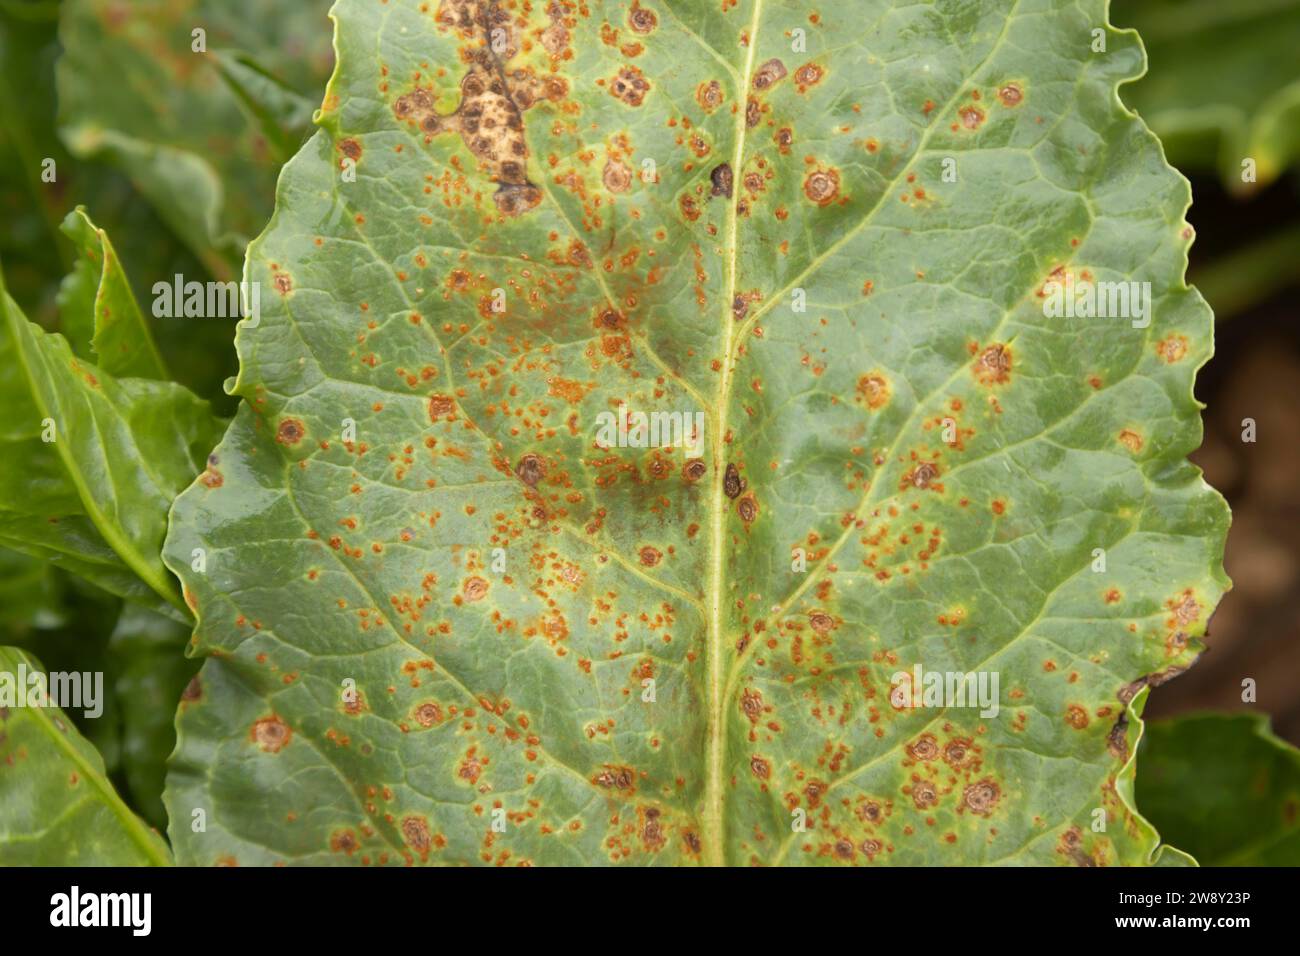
x=1223, y=84
x=372, y=561
x=56, y=804
x=98, y=289
x=151, y=674
x=211, y=181
x=1223, y=788
x=95, y=499
x=37, y=256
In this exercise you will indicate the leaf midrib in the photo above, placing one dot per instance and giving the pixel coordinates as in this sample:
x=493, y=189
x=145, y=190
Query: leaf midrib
x=713, y=816
x=130, y=822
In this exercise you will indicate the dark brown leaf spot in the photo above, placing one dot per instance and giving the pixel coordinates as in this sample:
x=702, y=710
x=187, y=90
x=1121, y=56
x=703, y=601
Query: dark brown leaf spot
x=530, y=469
x=732, y=483
x=629, y=85
x=769, y=74
x=722, y=179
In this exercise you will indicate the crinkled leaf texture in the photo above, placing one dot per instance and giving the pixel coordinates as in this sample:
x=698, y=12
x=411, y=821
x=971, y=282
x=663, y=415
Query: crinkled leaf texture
x=59, y=806
x=659, y=665
x=1223, y=787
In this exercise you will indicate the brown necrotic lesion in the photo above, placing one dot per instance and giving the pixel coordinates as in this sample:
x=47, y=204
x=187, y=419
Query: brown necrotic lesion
x=493, y=98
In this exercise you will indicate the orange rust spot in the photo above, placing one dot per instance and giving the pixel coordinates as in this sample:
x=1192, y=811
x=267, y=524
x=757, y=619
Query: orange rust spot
x=972, y=117
x=873, y=389
x=822, y=186
x=474, y=589
x=271, y=734
x=709, y=95
x=993, y=366
x=290, y=431
x=1172, y=348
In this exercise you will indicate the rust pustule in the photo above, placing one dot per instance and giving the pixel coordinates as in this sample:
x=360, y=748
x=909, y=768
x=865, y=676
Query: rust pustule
x=629, y=85
x=616, y=176
x=709, y=95
x=981, y=797
x=440, y=406
x=641, y=20
x=271, y=734
x=290, y=431
x=822, y=186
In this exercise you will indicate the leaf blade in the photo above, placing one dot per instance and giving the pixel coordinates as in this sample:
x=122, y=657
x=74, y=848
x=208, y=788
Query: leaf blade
x=656, y=292
x=96, y=496
x=57, y=807
x=98, y=287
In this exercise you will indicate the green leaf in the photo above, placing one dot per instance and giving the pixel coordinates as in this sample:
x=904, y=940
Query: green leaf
x=91, y=463
x=170, y=121
x=57, y=807
x=152, y=673
x=29, y=206
x=437, y=587
x=37, y=258
x=27, y=594
x=1223, y=85
x=98, y=288
x=1223, y=788
x=283, y=116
